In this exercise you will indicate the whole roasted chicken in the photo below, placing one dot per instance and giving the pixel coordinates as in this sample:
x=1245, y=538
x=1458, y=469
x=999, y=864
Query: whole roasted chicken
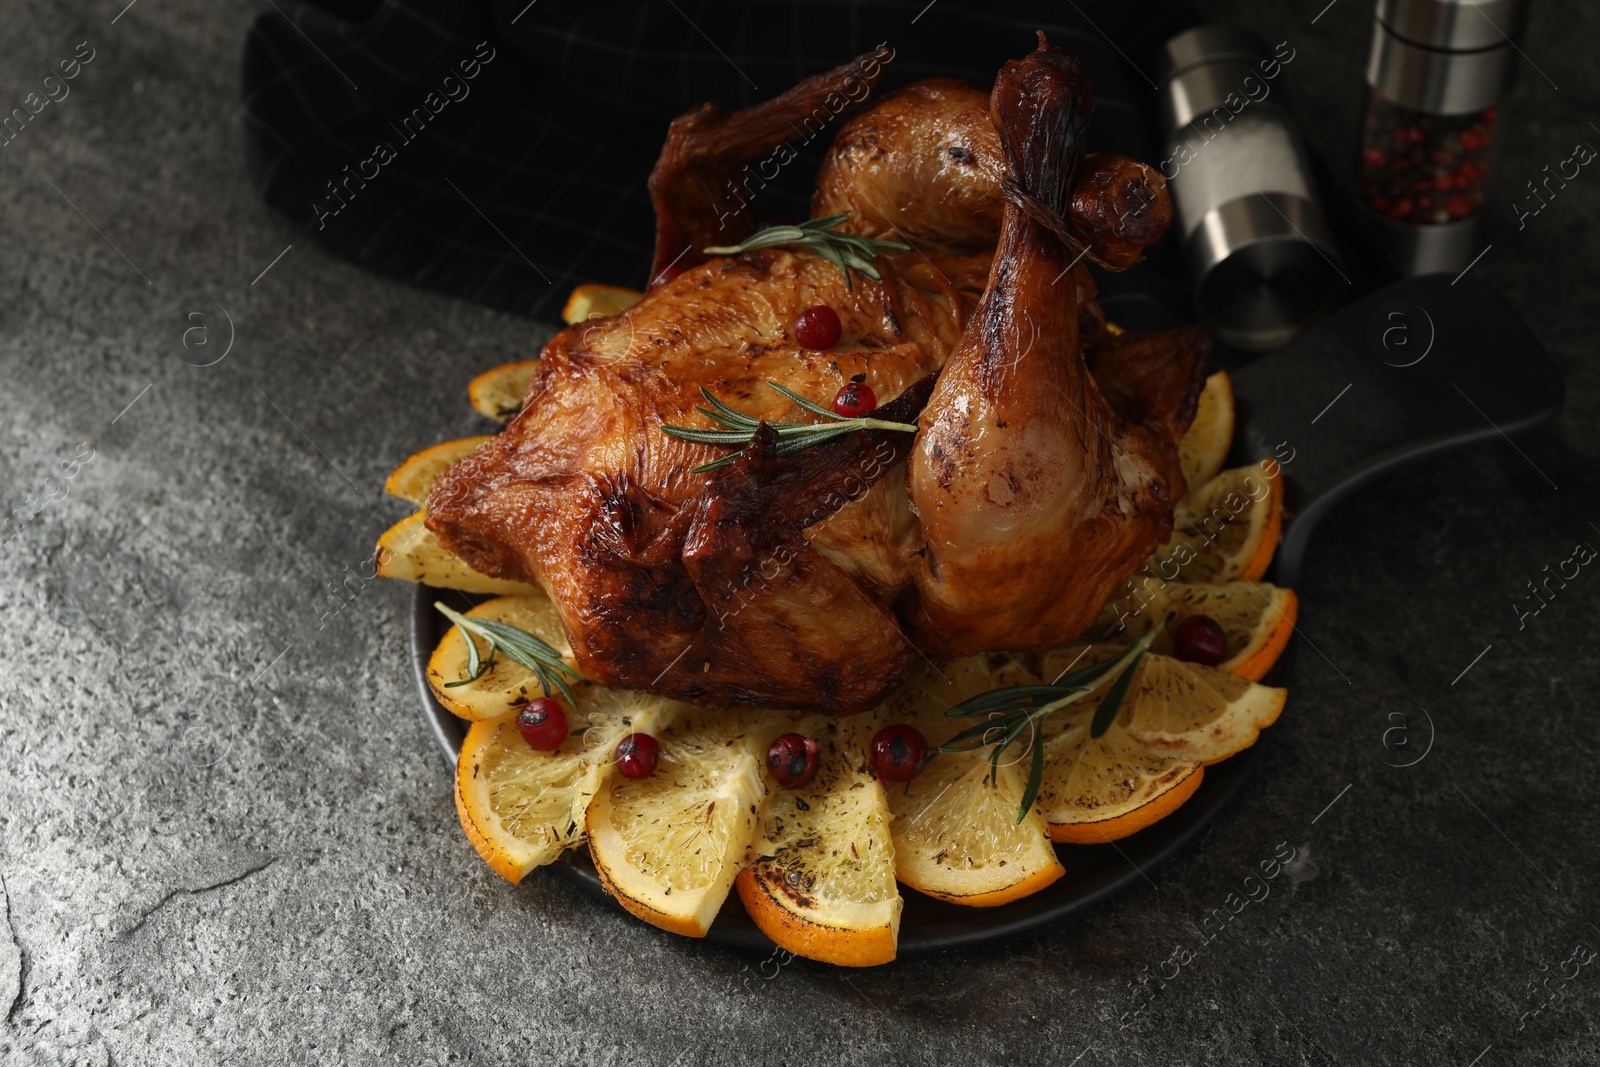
x=1044, y=465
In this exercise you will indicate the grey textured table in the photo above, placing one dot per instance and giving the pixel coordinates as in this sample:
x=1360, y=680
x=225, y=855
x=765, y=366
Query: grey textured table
x=225, y=836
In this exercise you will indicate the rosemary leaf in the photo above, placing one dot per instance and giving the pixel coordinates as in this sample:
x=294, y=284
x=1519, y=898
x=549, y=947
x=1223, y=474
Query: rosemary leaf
x=708, y=437
x=729, y=414
x=475, y=667
x=792, y=436
x=1008, y=712
x=1035, y=772
x=1005, y=701
x=519, y=646
x=847, y=251
x=1112, y=701
x=814, y=408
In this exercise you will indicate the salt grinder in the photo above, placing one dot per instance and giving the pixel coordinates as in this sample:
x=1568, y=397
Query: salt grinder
x=1436, y=77
x=1258, y=246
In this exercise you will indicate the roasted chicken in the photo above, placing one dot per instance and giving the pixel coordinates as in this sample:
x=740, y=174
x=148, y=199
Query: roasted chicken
x=1043, y=472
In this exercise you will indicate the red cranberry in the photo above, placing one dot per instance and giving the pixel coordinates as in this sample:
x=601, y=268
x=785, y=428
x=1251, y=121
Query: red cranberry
x=666, y=275
x=854, y=400
x=793, y=760
x=1198, y=639
x=637, y=755
x=543, y=724
x=898, y=752
x=817, y=327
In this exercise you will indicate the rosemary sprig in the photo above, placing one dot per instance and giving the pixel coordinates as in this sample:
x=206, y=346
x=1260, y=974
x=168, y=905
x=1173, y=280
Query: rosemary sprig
x=519, y=647
x=792, y=436
x=1009, y=713
x=847, y=251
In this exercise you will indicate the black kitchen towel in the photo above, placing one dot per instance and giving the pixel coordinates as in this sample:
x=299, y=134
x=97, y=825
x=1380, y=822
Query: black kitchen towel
x=497, y=150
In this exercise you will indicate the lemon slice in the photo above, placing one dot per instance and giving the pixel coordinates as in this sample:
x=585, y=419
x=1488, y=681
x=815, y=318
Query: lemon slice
x=1257, y=618
x=1204, y=448
x=669, y=845
x=409, y=551
x=821, y=880
x=498, y=393
x=1224, y=530
x=413, y=478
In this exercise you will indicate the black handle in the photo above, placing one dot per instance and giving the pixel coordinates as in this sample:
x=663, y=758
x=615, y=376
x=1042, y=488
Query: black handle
x=1429, y=363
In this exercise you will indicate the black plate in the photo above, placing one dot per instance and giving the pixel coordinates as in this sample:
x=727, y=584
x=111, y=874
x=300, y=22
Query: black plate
x=1483, y=374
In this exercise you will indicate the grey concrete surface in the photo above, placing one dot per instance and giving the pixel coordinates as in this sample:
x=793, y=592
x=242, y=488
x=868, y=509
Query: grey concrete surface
x=225, y=836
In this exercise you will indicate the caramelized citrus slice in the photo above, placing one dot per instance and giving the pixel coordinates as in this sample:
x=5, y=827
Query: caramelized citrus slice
x=506, y=686
x=1256, y=618
x=1159, y=795
x=821, y=879
x=1197, y=713
x=413, y=478
x=1102, y=789
x=498, y=393
x=409, y=551
x=1181, y=711
x=1225, y=529
x=598, y=302
x=669, y=845
x=521, y=807
x=1175, y=717
x=956, y=832
x=1204, y=448
x=515, y=802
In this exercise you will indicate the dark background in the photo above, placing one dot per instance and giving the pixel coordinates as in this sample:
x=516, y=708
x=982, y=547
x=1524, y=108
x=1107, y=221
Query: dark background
x=225, y=835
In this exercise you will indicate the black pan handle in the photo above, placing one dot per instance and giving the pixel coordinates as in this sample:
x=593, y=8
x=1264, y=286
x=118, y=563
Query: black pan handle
x=1427, y=364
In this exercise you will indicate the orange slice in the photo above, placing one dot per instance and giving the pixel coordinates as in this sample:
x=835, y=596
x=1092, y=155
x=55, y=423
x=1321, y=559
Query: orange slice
x=1175, y=717
x=669, y=845
x=498, y=393
x=821, y=879
x=956, y=833
x=598, y=302
x=1184, y=711
x=1087, y=819
x=1204, y=448
x=413, y=478
x=1226, y=529
x=1258, y=619
x=409, y=551
x=522, y=808
x=506, y=686
x=515, y=802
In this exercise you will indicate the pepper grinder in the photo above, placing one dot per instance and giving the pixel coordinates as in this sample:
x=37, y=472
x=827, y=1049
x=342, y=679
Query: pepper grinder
x=1437, y=74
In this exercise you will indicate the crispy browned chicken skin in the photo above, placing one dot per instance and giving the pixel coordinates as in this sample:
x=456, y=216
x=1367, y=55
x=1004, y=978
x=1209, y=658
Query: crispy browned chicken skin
x=1043, y=472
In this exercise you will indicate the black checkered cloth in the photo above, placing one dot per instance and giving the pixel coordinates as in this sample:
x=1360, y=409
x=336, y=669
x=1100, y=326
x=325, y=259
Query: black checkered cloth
x=497, y=150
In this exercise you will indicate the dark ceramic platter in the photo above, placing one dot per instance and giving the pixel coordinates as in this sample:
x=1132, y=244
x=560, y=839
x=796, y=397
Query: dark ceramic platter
x=1481, y=374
